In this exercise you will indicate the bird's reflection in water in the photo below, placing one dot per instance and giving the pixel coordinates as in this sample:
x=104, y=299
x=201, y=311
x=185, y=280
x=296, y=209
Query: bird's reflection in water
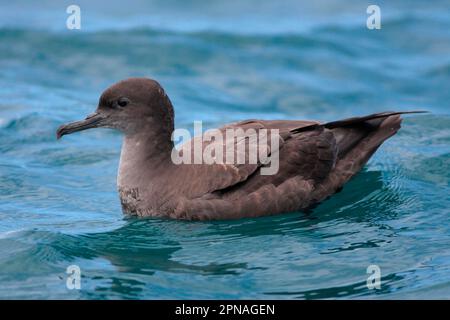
x=141, y=248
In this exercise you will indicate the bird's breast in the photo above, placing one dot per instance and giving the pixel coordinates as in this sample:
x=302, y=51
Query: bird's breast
x=129, y=199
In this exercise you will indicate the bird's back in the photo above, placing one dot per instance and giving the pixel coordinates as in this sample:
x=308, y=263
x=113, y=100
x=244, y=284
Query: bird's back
x=315, y=160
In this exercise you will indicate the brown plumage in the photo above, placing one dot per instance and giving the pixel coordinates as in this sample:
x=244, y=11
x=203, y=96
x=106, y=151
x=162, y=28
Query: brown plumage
x=315, y=160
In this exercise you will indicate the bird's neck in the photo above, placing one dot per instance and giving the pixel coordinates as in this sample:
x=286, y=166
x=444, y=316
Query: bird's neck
x=144, y=156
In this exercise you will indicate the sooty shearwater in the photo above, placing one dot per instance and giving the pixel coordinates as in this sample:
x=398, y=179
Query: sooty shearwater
x=314, y=159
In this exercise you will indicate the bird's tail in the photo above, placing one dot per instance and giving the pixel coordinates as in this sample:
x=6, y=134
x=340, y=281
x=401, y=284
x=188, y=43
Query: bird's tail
x=373, y=120
x=357, y=139
x=361, y=133
x=353, y=131
x=370, y=119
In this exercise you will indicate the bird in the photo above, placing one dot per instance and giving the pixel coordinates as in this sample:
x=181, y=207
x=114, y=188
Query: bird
x=315, y=159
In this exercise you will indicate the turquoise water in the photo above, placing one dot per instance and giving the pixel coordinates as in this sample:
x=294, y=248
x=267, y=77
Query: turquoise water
x=222, y=62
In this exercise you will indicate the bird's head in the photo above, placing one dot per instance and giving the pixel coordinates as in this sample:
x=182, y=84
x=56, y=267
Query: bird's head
x=130, y=106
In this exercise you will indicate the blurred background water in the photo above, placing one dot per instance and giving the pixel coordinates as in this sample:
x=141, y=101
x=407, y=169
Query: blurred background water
x=222, y=61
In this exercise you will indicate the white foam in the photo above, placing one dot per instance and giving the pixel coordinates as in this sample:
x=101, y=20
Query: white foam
x=7, y=234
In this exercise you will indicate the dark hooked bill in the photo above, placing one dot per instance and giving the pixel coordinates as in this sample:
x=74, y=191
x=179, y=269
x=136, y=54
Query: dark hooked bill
x=91, y=121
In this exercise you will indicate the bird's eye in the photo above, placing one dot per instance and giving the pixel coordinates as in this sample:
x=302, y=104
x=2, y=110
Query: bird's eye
x=123, y=102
